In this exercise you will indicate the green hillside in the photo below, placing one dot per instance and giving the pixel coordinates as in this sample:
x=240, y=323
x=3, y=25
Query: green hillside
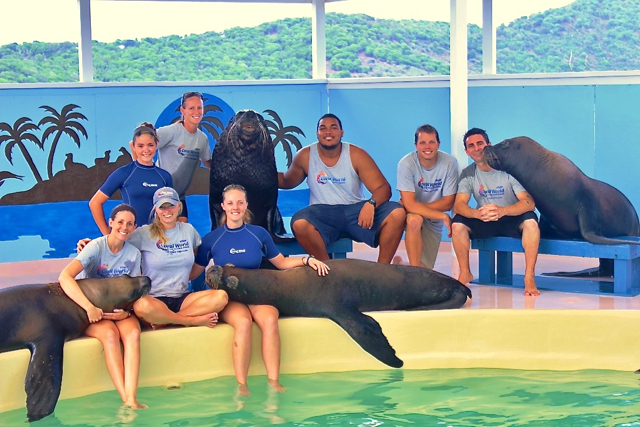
x=588, y=35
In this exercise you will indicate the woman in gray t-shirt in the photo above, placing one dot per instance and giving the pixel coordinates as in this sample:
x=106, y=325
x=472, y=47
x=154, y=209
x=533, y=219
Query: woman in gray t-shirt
x=111, y=256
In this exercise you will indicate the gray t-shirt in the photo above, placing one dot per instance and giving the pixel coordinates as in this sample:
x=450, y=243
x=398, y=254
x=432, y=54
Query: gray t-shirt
x=99, y=262
x=429, y=185
x=167, y=265
x=180, y=152
x=497, y=187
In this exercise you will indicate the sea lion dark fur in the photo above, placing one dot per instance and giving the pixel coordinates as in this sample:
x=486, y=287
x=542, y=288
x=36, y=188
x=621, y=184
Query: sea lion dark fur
x=244, y=155
x=42, y=317
x=351, y=287
x=571, y=204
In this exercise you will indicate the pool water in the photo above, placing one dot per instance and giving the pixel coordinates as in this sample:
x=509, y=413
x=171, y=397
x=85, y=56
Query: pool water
x=441, y=397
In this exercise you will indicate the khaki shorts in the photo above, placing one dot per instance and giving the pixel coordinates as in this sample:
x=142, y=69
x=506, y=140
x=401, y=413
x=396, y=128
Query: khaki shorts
x=430, y=245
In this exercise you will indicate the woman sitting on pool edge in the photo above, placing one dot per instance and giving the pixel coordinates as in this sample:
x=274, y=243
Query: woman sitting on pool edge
x=250, y=242
x=111, y=256
x=168, y=250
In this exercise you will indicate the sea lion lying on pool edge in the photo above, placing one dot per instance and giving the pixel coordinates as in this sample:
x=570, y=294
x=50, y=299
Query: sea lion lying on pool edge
x=351, y=287
x=42, y=317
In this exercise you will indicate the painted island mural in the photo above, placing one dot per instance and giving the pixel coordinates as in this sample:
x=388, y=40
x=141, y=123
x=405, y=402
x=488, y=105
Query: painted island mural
x=48, y=212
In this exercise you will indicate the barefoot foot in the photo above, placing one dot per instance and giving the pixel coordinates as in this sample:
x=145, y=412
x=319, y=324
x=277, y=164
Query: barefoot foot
x=210, y=320
x=275, y=384
x=243, y=390
x=465, y=277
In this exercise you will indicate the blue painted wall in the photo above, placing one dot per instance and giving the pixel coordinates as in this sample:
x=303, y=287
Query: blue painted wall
x=593, y=125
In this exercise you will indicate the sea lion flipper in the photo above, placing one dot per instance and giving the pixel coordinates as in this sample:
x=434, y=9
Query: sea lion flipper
x=588, y=226
x=44, y=377
x=275, y=226
x=368, y=334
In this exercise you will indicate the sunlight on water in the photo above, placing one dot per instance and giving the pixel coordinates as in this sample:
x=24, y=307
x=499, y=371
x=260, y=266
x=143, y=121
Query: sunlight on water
x=453, y=397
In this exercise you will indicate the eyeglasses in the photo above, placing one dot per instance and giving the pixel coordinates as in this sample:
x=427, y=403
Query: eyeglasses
x=191, y=95
x=233, y=187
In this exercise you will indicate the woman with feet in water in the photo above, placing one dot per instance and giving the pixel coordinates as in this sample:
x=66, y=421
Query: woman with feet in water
x=241, y=244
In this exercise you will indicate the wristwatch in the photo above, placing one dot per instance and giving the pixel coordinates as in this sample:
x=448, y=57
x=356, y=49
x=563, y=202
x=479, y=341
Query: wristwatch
x=373, y=202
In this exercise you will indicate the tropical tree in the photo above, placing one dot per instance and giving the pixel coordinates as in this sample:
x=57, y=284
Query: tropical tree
x=208, y=123
x=283, y=135
x=61, y=123
x=21, y=131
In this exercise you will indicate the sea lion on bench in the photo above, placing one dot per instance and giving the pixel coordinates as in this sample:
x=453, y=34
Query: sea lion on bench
x=352, y=286
x=42, y=317
x=571, y=204
x=244, y=155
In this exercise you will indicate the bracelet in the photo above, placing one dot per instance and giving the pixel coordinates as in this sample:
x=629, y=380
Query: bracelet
x=309, y=257
x=303, y=261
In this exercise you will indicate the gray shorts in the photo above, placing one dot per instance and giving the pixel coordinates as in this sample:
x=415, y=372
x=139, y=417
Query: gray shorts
x=335, y=221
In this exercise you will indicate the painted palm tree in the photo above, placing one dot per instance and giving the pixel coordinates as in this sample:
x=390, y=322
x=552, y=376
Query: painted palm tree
x=61, y=123
x=283, y=135
x=208, y=123
x=21, y=131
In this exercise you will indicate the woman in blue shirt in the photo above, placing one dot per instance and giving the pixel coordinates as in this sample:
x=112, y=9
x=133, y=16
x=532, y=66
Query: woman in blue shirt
x=243, y=245
x=137, y=181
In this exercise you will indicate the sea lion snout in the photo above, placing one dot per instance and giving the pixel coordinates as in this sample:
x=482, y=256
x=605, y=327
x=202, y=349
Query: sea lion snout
x=213, y=276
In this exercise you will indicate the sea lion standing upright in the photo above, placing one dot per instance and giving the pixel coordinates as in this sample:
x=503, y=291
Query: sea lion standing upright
x=42, y=317
x=352, y=286
x=244, y=155
x=571, y=204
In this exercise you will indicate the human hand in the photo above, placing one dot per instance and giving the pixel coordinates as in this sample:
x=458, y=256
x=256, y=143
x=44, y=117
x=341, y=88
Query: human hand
x=365, y=219
x=118, y=314
x=319, y=266
x=81, y=244
x=94, y=314
x=447, y=223
x=489, y=213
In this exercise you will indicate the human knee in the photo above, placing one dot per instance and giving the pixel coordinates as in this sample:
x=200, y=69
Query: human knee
x=132, y=336
x=220, y=298
x=143, y=307
x=414, y=223
x=458, y=229
x=530, y=225
x=301, y=227
x=398, y=216
x=107, y=333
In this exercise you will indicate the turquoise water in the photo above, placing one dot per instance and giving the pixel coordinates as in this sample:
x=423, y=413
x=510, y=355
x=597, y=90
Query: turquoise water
x=442, y=397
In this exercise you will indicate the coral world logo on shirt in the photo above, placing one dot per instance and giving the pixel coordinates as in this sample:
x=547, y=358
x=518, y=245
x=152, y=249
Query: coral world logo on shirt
x=322, y=178
x=181, y=150
x=482, y=191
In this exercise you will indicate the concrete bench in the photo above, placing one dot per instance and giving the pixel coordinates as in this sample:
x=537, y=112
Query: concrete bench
x=626, y=259
x=336, y=250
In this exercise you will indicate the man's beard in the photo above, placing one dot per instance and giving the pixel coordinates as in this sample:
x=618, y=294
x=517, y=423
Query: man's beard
x=330, y=147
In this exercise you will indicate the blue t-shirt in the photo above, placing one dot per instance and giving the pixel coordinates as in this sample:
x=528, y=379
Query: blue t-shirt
x=137, y=184
x=243, y=247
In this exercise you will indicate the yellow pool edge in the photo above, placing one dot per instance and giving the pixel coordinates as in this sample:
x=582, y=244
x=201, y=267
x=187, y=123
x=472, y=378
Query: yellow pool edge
x=508, y=339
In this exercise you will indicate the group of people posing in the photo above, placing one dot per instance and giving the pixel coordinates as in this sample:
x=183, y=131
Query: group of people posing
x=171, y=252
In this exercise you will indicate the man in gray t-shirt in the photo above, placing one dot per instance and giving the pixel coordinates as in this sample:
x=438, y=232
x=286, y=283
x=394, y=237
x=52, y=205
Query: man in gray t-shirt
x=428, y=182
x=504, y=208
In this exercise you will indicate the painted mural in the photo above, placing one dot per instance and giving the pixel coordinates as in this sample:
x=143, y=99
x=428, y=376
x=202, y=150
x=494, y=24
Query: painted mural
x=46, y=218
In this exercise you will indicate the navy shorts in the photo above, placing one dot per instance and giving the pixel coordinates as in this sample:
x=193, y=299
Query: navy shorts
x=174, y=303
x=185, y=211
x=507, y=226
x=335, y=221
